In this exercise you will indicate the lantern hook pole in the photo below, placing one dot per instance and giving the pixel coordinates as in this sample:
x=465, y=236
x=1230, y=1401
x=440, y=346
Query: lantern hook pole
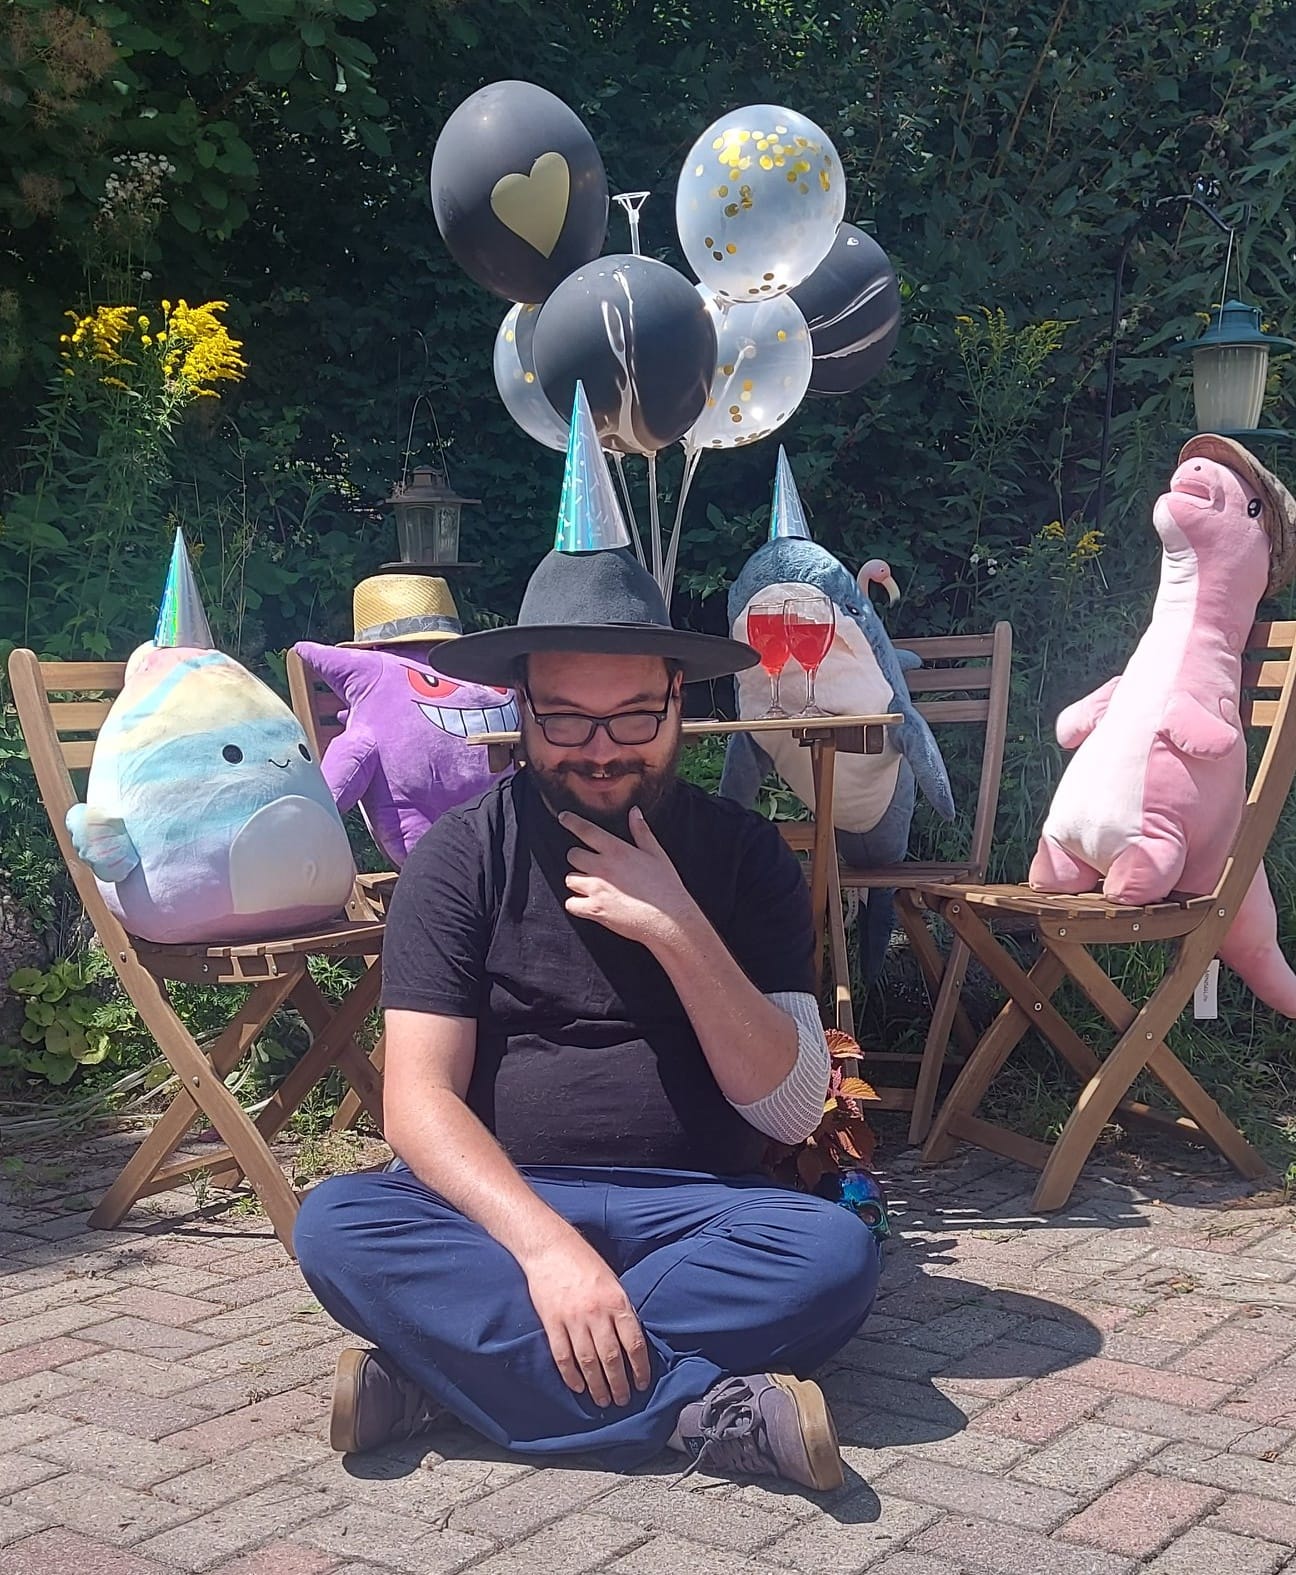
x=1202, y=189
x=423, y=398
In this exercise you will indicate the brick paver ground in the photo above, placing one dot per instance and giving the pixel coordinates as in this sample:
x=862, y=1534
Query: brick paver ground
x=1105, y=1390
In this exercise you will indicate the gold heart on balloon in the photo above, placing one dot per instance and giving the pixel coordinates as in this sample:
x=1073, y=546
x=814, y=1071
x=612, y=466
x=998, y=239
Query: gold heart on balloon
x=519, y=192
x=534, y=206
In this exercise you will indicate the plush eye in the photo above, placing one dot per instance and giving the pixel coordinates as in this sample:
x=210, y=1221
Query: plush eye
x=430, y=686
x=232, y=753
x=1254, y=507
x=303, y=751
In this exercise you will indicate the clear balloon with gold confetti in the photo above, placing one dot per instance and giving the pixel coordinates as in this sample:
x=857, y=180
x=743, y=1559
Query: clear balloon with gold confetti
x=515, y=377
x=759, y=200
x=763, y=364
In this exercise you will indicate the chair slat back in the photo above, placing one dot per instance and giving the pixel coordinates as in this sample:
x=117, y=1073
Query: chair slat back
x=75, y=723
x=1269, y=667
x=314, y=704
x=54, y=758
x=965, y=679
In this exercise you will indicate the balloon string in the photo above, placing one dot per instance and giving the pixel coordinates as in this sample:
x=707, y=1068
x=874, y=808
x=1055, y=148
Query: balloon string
x=618, y=461
x=691, y=462
x=658, y=568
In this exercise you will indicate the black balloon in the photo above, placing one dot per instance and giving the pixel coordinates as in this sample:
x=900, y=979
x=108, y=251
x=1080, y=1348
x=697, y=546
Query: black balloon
x=852, y=304
x=637, y=335
x=518, y=189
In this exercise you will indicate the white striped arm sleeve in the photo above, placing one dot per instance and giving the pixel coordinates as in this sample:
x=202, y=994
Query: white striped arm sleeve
x=791, y=1112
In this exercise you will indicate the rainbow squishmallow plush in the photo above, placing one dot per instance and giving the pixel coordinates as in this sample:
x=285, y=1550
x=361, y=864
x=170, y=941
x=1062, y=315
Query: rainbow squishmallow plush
x=207, y=817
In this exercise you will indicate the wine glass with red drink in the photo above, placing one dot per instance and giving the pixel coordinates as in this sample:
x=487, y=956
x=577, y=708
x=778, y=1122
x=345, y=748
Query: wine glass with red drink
x=810, y=621
x=767, y=634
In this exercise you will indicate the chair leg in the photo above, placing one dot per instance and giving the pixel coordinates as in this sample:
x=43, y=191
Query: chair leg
x=936, y=1047
x=1111, y=1082
x=1214, y=1126
x=333, y=1044
x=202, y=1080
x=843, y=1009
x=998, y=1041
x=350, y=1107
x=362, y=1069
x=933, y=965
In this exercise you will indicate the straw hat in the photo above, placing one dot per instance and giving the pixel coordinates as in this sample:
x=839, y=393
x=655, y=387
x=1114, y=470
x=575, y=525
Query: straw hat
x=403, y=609
x=1279, y=505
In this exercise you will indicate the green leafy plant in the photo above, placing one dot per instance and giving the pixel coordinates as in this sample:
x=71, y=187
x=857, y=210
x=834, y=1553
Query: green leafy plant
x=67, y=1023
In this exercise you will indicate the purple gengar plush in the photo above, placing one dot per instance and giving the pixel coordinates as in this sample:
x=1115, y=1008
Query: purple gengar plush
x=404, y=754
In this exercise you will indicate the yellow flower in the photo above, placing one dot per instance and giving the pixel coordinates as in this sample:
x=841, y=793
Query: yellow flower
x=210, y=353
x=1053, y=531
x=198, y=351
x=99, y=334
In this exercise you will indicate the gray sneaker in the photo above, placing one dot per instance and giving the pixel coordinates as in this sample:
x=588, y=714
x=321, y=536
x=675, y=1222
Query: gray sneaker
x=374, y=1404
x=767, y=1425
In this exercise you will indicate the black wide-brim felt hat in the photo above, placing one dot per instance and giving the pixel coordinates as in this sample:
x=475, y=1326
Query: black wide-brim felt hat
x=604, y=603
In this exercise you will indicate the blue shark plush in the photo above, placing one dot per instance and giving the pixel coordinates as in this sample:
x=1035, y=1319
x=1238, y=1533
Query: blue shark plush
x=863, y=674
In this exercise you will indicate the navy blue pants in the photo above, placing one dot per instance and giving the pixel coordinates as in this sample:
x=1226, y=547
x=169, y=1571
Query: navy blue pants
x=729, y=1275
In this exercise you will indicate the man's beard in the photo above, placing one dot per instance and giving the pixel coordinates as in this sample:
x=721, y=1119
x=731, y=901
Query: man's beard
x=652, y=784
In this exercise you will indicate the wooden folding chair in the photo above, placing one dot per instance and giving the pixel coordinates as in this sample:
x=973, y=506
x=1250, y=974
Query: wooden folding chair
x=317, y=708
x=965, y=680
x=1068, y=926
x=60, y=739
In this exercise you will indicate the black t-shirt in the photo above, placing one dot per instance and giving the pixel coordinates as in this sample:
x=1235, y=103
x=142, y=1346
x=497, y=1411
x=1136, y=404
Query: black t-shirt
x=585, y=1055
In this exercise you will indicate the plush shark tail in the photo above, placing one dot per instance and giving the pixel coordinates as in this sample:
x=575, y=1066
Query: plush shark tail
x=876, y=924
x=1250, y=949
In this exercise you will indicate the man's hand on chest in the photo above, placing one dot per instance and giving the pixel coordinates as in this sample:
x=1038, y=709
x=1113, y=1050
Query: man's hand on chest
x=630, y=888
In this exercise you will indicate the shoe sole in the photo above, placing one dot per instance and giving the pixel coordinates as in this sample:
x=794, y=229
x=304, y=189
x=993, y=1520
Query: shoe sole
x=818, y=1431
x=346, y=1402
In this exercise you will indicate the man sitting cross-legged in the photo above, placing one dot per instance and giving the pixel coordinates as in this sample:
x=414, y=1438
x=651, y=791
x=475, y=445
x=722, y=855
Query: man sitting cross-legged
x=598, y=988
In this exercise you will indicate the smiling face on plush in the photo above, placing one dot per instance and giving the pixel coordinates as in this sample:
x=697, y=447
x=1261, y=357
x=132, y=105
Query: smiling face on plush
x=405, y=753
x=458, y=709
x=1211, y=525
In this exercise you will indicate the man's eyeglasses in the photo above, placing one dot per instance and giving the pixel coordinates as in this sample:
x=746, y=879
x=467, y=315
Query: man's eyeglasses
x=570, y=730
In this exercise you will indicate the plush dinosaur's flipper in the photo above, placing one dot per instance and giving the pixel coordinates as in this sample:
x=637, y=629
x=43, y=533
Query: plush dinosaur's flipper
x=746, y=765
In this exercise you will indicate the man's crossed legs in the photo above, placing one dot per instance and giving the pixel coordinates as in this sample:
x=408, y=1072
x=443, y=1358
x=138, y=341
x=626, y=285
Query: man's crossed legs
x=737, y=1284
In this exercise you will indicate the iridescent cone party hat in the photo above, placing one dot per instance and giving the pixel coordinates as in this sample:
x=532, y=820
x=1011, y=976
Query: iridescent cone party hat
x=590, y=594
x=787, y=517
x=589, y=512
x=182, y=620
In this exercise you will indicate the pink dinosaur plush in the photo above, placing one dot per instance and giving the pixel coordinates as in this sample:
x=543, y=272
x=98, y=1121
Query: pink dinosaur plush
x=1151, y=802
x=404, y=754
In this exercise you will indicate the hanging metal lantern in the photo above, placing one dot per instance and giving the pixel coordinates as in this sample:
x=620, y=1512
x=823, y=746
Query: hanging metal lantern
x=428, y=512
x=1230, y=369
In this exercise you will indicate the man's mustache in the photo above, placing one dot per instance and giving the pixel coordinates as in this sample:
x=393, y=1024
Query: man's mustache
x=613, y=768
